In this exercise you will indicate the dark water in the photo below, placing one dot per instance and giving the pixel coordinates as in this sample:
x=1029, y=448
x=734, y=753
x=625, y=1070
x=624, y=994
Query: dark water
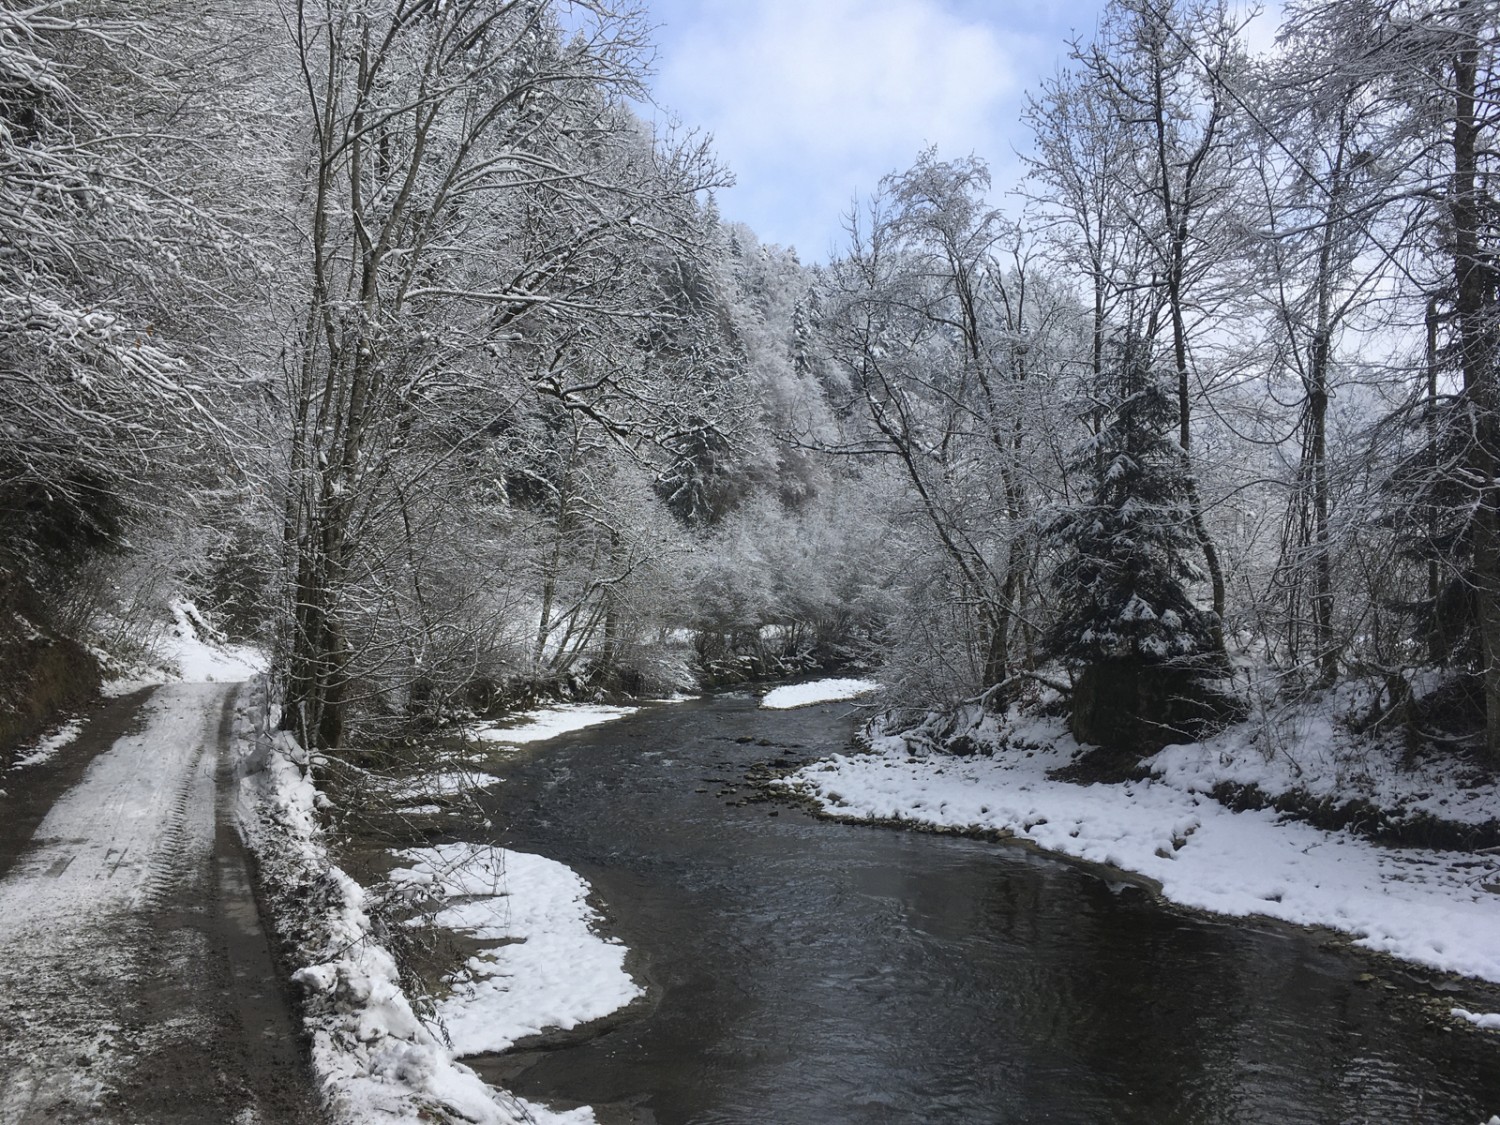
x=810, y=973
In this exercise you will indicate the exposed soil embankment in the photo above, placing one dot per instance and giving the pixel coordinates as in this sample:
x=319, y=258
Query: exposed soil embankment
x=41, y=679
x=1397, y=827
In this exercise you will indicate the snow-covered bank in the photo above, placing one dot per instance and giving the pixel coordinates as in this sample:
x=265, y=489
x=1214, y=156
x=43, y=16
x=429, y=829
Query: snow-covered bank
x=818, y=691
x=549, y=722
x=1435, y=908
x=190, y=649
x=454, y=773
x=543, y=966
x=376, y=1061
x=1306, y=750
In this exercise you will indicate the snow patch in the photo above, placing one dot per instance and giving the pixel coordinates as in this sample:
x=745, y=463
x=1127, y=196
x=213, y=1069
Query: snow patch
x=443, y=783
x=549, y=722
x=819, y=691
x=1489, y=1021
x=49, y=746
x=545, y=968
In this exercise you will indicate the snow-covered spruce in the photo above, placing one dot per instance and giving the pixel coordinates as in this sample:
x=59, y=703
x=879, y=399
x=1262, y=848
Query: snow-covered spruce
x=1141, y=646
x=376, y=1061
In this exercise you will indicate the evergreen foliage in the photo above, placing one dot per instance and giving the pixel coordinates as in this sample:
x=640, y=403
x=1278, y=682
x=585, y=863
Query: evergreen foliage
x=1126, y=617
x=1428, y=504
x=1122, y=582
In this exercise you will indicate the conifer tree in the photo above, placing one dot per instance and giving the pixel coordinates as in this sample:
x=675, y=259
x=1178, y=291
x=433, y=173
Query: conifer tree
x=1128, y=623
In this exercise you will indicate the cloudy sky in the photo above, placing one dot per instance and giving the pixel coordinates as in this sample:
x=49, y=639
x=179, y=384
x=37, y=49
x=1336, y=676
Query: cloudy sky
x=810, y=102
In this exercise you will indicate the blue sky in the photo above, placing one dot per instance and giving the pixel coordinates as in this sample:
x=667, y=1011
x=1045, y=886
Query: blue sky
x=810, y=102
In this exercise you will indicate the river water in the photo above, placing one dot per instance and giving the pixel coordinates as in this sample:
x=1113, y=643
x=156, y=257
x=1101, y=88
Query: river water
x=804, y=972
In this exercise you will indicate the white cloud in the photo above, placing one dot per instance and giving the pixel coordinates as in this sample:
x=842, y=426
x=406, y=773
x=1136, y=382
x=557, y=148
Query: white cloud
x=812, y=101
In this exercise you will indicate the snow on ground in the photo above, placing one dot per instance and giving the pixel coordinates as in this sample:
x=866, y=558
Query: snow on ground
x=1490, y=1021
x=819, y=691
x=1304, y=747
x=188, y=650
x=442, y=783
x=200, y=656
x=549, y=722
x=49, y=746
x=544, y=966
x=1440, y=909
x=377, y=1062
x=139, y=823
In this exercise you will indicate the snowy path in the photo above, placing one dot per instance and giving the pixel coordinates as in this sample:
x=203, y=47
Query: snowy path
x=136, y=983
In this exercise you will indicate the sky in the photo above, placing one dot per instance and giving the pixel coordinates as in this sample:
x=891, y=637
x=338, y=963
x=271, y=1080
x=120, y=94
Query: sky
x=810, y=102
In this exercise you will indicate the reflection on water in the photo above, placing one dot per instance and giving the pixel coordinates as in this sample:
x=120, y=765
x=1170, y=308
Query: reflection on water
x=810, y=973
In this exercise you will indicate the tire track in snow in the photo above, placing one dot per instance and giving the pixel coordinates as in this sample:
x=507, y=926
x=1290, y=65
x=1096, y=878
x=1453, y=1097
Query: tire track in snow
x=113, y=960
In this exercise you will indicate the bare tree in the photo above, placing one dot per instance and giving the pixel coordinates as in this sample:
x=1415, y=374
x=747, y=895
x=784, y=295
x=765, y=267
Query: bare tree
x=1332, y=165
x=950, y=337
x=477, y=210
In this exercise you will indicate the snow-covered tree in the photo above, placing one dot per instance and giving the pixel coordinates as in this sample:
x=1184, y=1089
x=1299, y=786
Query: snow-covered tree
x=484, y=229
x=1126, y=618
x=106, y=270
x=953, y=343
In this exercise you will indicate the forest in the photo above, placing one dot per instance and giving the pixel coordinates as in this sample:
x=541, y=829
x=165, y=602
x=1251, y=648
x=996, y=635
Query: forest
x=390, y=334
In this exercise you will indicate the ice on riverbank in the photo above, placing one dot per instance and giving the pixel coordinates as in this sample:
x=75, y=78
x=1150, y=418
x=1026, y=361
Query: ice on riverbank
x=544, y=966
x=818, y=691
x=1435, y=908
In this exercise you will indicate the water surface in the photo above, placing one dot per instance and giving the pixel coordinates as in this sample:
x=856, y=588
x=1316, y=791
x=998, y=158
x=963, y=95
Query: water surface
x=804, y=972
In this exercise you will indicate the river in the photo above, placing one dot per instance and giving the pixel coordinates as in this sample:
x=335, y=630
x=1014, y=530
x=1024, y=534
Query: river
x=804, y=972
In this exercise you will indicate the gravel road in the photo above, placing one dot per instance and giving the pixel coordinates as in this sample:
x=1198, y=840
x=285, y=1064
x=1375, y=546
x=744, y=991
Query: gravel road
x=136, y=984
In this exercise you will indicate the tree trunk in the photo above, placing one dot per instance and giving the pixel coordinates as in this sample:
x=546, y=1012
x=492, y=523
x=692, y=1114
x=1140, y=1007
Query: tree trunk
x=1436, y=649
x=1317, y=422
x=1474, y=286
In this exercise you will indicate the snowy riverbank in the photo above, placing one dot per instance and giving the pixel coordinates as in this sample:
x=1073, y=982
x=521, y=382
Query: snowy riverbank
x=816, y=691
x=1436, y=908
x=540, y=965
